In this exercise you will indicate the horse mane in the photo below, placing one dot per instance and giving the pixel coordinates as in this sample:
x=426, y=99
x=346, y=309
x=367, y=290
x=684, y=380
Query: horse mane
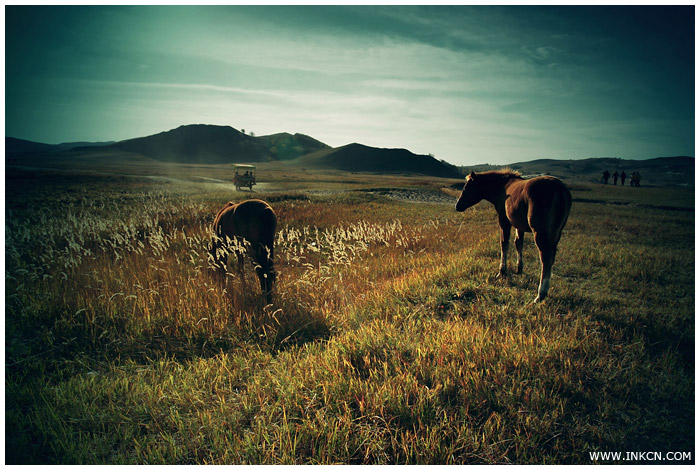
x=505, y=173
x=508, y=171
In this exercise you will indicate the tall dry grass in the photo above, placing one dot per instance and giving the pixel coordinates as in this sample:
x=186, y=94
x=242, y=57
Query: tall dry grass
x=389, y=340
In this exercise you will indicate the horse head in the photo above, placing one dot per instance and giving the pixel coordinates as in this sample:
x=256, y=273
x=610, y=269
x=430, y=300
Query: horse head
x=472, y=193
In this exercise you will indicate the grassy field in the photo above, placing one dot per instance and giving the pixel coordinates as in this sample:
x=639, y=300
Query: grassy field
x=390, y=340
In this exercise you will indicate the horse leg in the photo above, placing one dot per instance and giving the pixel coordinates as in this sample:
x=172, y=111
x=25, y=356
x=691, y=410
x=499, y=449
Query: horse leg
x=547, y=254
x=263, y=269
x=221, y=270
x=241, y=267
x=219, y=261
x=265, y=284
x=270, y=274
x=505, y=236
x=519, y=239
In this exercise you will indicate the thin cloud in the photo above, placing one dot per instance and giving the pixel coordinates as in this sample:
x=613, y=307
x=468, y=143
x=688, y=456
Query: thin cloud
x=459, y=82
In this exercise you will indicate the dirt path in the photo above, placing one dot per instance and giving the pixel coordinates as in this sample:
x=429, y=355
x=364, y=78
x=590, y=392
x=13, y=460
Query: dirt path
x=401, y=194
x=193, y=183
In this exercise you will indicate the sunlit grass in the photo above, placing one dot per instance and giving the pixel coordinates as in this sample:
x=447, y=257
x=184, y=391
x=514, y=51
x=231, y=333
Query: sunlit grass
x=390, y=339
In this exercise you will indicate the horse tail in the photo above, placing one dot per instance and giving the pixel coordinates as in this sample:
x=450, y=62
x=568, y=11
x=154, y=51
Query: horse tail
x=561, y=207
x=265, y=251
x=268, y=232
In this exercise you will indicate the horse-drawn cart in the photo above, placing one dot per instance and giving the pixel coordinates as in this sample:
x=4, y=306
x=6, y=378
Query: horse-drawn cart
x=243, y=175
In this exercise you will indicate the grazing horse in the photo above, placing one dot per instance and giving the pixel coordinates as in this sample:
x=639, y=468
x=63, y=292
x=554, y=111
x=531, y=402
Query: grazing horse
x=251, y=223
x=539, y=205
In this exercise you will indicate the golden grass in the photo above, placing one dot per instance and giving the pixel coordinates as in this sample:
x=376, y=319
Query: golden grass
x=390, y=340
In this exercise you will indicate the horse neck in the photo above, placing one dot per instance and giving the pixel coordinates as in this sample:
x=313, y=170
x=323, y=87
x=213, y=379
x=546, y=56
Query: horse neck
x=496, y=185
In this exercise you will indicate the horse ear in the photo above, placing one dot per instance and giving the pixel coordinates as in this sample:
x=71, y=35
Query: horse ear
x=471, y=176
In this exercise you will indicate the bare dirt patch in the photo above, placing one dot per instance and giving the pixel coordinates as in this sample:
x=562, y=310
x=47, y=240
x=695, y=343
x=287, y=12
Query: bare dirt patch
x=431, y=196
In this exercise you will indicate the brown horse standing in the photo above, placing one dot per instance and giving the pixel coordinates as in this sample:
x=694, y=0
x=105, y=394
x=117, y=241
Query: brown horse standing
x=253, y=223
x=539, y=205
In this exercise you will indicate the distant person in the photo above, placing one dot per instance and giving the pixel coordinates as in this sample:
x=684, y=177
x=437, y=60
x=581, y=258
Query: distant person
x=615, y=176
x=623, y=175
x=606, y=176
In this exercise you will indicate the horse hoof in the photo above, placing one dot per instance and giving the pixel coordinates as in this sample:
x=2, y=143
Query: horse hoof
x=537, y=300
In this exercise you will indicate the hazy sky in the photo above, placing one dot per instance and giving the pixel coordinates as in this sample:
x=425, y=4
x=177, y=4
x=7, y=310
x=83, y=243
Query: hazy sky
x=467, y=84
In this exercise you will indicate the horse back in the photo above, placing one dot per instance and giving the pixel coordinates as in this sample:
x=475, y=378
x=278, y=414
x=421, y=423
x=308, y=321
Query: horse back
x=539, y=204
x=550, y=204
x=253, y=220
x=220, y=216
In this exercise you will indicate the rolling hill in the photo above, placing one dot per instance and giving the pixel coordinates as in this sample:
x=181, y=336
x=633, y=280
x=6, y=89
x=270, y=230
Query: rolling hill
x=285, y=146
x=209, y=144
x=199, y=143
x=361, y=158
x=19, y=146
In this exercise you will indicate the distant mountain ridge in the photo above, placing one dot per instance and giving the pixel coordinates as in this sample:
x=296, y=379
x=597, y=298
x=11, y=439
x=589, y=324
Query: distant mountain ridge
x=361, y=158
x=210, y=144
x=15, y=146
x=199, y=143
x=285, y=146
x=194, y=143
x=203, y=143
x=655, y=171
